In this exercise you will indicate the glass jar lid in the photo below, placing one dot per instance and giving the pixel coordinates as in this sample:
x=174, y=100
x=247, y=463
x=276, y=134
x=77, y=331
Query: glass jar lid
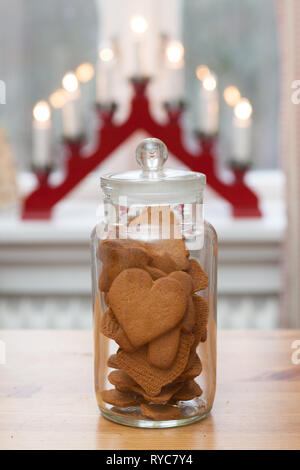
x=152, y=184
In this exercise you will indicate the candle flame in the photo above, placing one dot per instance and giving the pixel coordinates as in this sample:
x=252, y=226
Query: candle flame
x=58, y=98
x=85, y=72
x=232, y=95
x=202, y=72
x=41, y=111
x=209, y=83
x=138, y=24
x=106, y=54
x=175, y=52
x=243, y=109
x=70, y=82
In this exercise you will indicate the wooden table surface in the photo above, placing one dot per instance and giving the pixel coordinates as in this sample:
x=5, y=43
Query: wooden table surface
x=47, y=399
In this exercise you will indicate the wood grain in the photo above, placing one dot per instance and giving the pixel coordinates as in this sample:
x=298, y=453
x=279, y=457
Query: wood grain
x=47, y=397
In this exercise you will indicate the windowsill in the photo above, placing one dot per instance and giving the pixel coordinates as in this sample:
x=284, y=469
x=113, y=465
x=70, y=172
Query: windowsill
x=74, y=218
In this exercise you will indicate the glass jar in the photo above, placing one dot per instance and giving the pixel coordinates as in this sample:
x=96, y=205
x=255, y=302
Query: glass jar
x=154, y=261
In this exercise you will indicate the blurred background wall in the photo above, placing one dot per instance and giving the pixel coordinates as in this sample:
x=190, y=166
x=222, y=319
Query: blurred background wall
x=41, y=41
x=44, y=267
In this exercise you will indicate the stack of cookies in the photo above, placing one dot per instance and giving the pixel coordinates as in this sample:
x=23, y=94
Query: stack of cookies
x=157, y=319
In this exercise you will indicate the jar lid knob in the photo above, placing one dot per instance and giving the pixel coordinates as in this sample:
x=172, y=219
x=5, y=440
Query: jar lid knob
x=151, y=154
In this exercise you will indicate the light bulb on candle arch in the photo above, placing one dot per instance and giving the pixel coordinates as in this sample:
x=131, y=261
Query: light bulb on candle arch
x=243, y=109
x=85, y=72
x=41, y=111
x=175, y=53
x=209, y=83
x=202, y=72
x=138, y=25
x=106, y=54
x=70, y=82
x=232, y=95
x=58, y=98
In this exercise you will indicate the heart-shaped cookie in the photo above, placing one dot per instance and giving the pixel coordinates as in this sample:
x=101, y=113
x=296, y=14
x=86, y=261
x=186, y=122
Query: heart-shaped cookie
x=154, y=272
x=156, y=221
x=184, y=279
x=168, y=255
x=117, y=255
x=146, y=309
x=162, y=350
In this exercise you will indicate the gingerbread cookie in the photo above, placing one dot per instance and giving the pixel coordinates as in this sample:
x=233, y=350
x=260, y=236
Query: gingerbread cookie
x=193, y=369
x=201, y=312
x=123, y=400
x=117, y=255
x=184, y=279
x=156, y=221
x=155, y=273
x=199, y=277
x=189, y=391
x=124, y=383
x=146, y=309
x=162, y=260
x=111, y=362
x=105, y=297
x=168, y=255
x=160, y=412
x=189, y=318
x=162, y=350
x=111, y=328
x=151, y=378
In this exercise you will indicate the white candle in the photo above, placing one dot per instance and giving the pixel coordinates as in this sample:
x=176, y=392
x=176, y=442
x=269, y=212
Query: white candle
x=57, y=100
x=174, y=72
x=138, y=60
x=41, y=135
x=105, y=76
x=71, y=109
x=242, y=124
x=138, y=26
x=208, y=106
x=85, y=75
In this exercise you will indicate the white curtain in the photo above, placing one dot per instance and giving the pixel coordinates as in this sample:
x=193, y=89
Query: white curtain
x=289, y=36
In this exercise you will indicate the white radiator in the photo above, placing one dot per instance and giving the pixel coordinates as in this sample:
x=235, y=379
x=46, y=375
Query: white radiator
x=76, y=312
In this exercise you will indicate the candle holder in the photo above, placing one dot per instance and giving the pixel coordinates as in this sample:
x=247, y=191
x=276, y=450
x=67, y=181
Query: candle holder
x=140, y=84
x=240, y=166
x=34, y=209
x=106, y=111
x=239, y=170
x=42, y=173
x=39, y=204
x=207, y=142
x=174, y=110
